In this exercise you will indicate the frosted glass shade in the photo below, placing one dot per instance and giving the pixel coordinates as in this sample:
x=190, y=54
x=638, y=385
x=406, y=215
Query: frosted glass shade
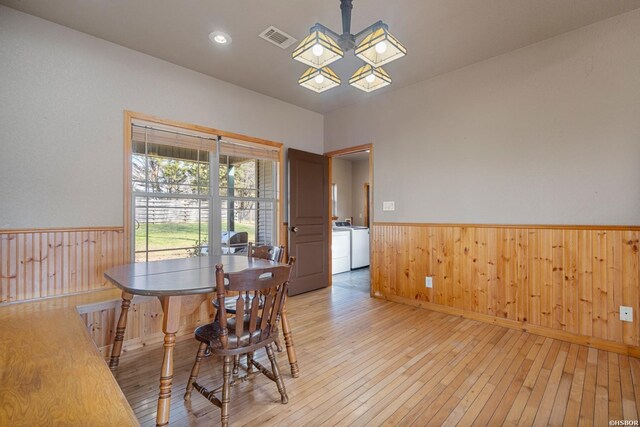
x=317, y=50
x=379, y=48
x=319, y=80
x=369, y=78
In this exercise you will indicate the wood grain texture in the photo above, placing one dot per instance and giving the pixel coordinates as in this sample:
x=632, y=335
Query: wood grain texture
x=429, y=368
x=51, y=262
x=51, y=372
x=564, y=283
x=44, y=263
x=144, y=323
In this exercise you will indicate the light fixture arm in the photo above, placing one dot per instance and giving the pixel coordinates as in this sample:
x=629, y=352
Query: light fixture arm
x=346, y=40
x=319, y=27
x=345, y=7
x=371, y=28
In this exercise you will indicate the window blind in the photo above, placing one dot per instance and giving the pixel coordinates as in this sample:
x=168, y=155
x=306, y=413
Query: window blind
x=141, y=134
x=247, y=150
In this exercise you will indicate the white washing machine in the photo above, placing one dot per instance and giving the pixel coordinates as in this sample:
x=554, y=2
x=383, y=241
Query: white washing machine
x=359, y=244
x=340, y=251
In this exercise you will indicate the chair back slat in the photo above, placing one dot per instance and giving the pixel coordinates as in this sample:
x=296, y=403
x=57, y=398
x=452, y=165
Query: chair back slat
x=254, y=320
x=240, y=303
x=275, y=312
x=268, y=303
x=253, y=317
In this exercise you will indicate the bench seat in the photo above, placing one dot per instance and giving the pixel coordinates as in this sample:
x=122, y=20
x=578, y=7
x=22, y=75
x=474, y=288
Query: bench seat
x=51, y=371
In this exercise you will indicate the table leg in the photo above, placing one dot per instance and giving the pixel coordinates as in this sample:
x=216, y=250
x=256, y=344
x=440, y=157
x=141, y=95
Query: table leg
x=288, y=342
x=170, y=324
x=120, y=328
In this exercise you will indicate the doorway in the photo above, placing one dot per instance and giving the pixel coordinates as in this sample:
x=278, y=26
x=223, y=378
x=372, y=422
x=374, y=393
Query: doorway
x=350, y=199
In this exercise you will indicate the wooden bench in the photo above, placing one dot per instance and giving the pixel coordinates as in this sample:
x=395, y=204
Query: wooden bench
x=50, y=369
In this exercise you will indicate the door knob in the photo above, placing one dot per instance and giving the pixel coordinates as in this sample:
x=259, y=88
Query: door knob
x=294, y=229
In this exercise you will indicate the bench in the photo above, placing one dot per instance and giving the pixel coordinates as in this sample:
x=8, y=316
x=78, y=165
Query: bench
x=50, y=369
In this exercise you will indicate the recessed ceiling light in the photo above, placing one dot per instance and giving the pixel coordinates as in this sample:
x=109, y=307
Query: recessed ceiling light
x=220, y=37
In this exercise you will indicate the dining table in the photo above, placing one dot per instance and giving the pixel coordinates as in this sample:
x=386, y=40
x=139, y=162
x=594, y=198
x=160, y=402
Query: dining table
x=181, y=285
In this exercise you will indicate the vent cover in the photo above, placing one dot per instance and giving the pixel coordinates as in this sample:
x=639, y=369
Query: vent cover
x=277, y=37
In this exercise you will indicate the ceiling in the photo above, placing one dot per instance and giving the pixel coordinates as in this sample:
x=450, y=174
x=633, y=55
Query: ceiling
x=440, y=35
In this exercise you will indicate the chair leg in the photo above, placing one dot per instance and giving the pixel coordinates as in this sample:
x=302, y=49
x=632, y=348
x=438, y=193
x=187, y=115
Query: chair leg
x=250, y=362
x=276, y=373
x=276, y=340
x=226, y=388
x=236, y=363
x=195, y=370
x=288, y=342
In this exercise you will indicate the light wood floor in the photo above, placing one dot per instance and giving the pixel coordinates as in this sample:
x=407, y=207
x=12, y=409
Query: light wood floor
x=365, y=361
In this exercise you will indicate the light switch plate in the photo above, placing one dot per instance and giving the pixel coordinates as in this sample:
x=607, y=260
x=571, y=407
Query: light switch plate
x=388, y=206
x=428, y=282
x=626, y=313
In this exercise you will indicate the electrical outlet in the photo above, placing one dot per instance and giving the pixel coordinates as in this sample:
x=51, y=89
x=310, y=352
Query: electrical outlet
x=428, y=282
x=626, y=314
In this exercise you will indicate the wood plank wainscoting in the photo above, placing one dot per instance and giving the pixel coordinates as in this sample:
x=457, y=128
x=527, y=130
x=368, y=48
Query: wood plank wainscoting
x=563, y=282
x=42, y=263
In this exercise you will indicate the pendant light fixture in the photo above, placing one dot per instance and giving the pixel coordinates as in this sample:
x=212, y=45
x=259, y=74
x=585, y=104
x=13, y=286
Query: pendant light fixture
x=319, y=79
x=317, y=50
x=369, y=78
x=380, y=47
x=323, y=46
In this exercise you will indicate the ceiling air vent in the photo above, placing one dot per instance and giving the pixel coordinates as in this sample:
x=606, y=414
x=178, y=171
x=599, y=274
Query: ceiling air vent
x=277, y=37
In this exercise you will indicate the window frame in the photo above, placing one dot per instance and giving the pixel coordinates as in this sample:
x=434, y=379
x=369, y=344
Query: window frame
x=130, y=117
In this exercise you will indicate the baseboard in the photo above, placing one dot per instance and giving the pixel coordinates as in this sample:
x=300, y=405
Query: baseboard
x=598, y=343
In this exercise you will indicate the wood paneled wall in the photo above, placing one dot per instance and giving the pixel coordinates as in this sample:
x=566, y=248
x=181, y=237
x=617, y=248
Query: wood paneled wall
x=42, y=263
x=144, y=323
x=50, y=262
x=565, y=282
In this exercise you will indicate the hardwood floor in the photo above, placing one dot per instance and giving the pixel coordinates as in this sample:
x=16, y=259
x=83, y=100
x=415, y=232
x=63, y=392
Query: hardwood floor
x=355, y=279
x=365, y=361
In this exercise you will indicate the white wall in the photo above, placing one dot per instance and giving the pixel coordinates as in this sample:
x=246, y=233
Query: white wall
x=360, y=175
x=62, y=96
x=341, y=176
x=548, y=134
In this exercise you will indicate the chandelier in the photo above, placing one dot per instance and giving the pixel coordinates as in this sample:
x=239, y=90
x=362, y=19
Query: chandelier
x=375, y=45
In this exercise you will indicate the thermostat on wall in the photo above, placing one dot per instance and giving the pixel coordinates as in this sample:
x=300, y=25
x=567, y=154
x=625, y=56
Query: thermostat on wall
x=388, y=206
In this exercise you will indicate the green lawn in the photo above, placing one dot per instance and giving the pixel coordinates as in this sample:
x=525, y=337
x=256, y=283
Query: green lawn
x=179, y=235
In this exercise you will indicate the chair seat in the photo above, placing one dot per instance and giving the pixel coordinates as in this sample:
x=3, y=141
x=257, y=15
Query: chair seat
x=210, y=335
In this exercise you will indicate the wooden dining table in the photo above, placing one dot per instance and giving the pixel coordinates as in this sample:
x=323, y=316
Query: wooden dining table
x=181, y=285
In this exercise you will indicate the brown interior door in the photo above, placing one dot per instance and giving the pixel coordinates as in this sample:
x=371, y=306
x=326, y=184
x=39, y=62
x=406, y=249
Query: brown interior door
x=308, y=220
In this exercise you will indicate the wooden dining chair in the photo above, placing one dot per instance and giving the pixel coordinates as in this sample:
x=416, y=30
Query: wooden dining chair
x=251, y=328
x=271, y=253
